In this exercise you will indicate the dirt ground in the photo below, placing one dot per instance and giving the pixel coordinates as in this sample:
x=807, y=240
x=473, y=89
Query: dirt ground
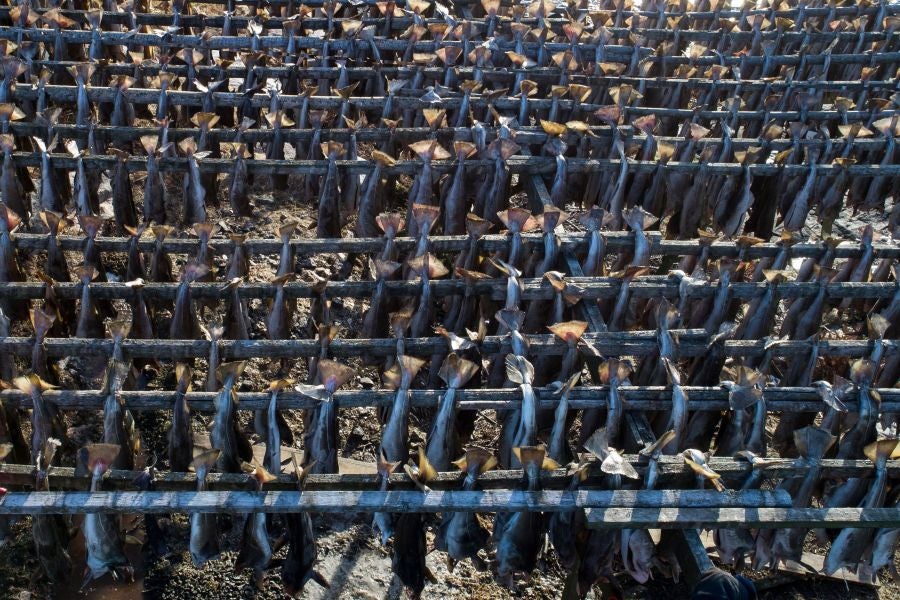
x=350, y=556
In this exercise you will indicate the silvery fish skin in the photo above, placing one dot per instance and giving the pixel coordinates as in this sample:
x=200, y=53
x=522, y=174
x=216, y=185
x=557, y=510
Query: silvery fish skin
x=521, y=424
x=180, y=447
x=787, y=544
x=89, y=324
x=103, y=539
x=395, y=436
x=237, y=321
x=850, y=545
x=461, y=534
x=154, y=186
x=329, y=222
x=558, y=448
x=519, y=535
x=735, y=544
x=374, y=322
x=224, y=435
x=49, y=196
x=50, y=532
x=239, y=187
x=442, y=438
x=758, y=320
x=564, y=528
x=184, y=319
x=204, y=539
x=155, y=535
x=455, y=205
x=115, y=416
x=278, y=321
x=320, y=440
x=382, y=522
x=637, y=550
x=123, y=202
x=194, y=193
x=884, y=547
x=10, y=188
x=863, y=430
x=255, y=549
x=408, y=558
x=297, y=568
x=214, y=335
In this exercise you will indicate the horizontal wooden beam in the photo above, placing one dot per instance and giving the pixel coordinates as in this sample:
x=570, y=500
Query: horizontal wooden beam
x=29, y=503
x=615, y=240
x=671, y=471
x=730, y=518
x=478, y=24
x=68, y=93
x=637, y=399
x=516, y=164
x=265, y=42
x=548, y=74
x=593, y=288
x=524, y=135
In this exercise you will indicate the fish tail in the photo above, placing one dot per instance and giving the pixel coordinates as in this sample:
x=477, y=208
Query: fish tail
x=390, y=223
x=41, y=321
x=118, y=330
x=232, y=369
x=101, y=456
x=204, y=462
x=410, y=365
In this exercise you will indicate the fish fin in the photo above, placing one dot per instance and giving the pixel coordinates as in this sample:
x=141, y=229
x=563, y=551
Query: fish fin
x=427, y=472
x=862, y=370
x=118, y=330
x=548, y=464
x=85, y=273
x=569, y=331
x=262, y=476
x=383, y=159
x=385, y=268
x=530, y=455
x=385, y=467
x=774, y=277
x=511, y=319
x=881, y=450
x=390, y=223
x=230, y=369
x=101, y=456
x=457, y=371
x=202, y=463
x=336, y=371
x=410, y=365
x=661, y=442
x=41, y=321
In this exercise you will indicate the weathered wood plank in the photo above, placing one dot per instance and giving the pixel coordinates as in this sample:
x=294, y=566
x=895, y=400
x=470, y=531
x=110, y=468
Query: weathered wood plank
x=516, y=164
x=638, y=398
x=374, y=501
x=672, y=472
x=630, y=343
x=594, y=288
x=524, y=135
x=440, y=243
x=695, y=518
